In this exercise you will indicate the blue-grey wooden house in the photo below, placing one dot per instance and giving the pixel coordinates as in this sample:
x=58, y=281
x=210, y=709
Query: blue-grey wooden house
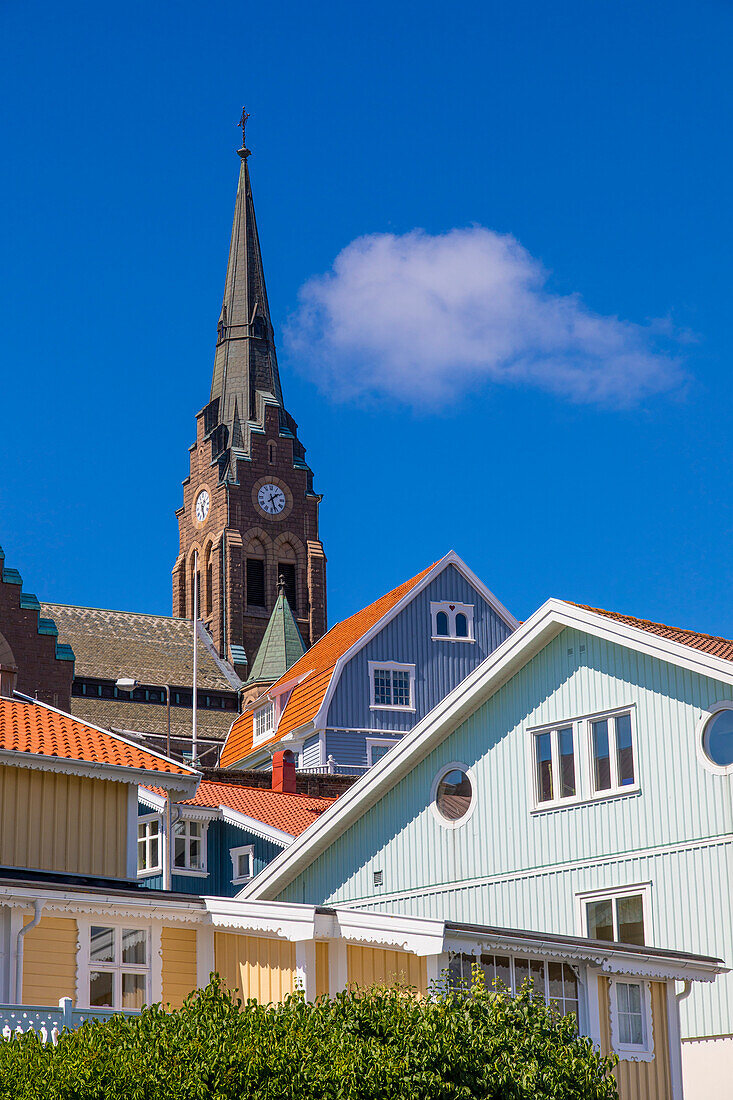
x=372, y=677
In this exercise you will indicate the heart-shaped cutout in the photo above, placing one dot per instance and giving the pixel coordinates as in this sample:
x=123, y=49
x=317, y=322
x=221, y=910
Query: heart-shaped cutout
x=452, y=607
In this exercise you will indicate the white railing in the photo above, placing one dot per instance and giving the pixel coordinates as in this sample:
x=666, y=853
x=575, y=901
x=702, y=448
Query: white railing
x=50, y=1022
x=332, y=768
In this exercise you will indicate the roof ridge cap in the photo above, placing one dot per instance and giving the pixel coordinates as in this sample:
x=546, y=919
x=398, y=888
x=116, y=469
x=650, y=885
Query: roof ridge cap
x=651, y=622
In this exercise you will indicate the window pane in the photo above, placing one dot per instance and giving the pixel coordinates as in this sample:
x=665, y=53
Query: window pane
x=556, y=987
x=179, y=858
x=134, y=946
x=601, y=756
x=537, y=974
x=503, y=971
x=441, y=624
x=401, y=689
x=243, y=865
x=461, y=625
x=521, y=974
x=194, y=828
x=718, y=741
x=630, y=1020
x=630, y=916
x=567, y=762
x=625, y=753
x=543, y=749
x=600, y=920
x=179, y=828
x=140, y=832
x=194, y=855
x=378, y=751
x=154, y=852
x=133, y=991
x=382, y=687
x=100, y=989
x=453, y=797
x=102, y=944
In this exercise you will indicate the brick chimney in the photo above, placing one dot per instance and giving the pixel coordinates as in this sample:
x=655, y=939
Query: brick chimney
x=283, y=772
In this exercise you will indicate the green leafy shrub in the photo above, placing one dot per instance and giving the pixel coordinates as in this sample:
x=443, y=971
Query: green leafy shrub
x=377, y=1044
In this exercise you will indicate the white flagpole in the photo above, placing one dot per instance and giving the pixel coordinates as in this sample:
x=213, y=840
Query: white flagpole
x=194, y=746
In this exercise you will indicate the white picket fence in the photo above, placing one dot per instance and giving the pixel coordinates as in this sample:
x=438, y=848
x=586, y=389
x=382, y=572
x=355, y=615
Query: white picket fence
x=49, y=1022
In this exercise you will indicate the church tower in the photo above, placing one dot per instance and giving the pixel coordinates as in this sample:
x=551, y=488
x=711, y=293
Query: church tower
x=249, y=515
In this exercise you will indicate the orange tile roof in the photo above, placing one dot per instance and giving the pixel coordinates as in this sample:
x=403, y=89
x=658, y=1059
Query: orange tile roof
x=292, y=813
x=34, y=728
x=319, y=661
x=708, y=643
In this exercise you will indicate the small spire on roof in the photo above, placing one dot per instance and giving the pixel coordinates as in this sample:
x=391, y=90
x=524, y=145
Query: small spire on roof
x=281, y=585
x=244, y=152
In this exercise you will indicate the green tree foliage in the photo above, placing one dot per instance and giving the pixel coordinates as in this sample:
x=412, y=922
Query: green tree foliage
x=377, y=1044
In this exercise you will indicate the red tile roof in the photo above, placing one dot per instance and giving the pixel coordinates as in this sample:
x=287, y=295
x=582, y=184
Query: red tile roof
x=34, y=728
x=292, y=813
x=319, y=662
x=708, y=643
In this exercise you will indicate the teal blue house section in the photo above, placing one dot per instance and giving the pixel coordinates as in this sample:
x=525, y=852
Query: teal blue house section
x=221, y=837
x=513, y=865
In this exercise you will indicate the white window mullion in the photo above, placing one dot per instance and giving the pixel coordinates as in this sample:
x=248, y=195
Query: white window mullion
x=613, y=752
x=555, y=751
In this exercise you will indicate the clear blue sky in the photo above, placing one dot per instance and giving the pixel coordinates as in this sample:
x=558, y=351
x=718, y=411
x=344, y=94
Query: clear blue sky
x=598, y=135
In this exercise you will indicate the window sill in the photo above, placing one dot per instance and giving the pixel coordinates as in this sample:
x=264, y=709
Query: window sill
x=588, y=800
x=447, y=638
x=149, y=873
x=189, y=872
x=242, y=881
x=401, y=710
x=633, y=1054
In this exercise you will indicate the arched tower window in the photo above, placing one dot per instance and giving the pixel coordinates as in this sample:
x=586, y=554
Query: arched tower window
x=272, y=453
x=255, y=574
x=209, y=574
x=287, y=568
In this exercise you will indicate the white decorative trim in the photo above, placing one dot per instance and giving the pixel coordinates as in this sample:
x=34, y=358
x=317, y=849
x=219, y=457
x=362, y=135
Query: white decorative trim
x=151, y=799
x=234, y=854
x=391, y=666
x=144, y=906
x=506, y=660
x=700, y=738
x=283, y=920
x=455, y=765
x=451, y=608
x=181, y=785
x=632, y=1052
x=418, y=935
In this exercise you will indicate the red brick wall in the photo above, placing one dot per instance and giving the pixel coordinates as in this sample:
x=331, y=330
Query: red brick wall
x=40, y=674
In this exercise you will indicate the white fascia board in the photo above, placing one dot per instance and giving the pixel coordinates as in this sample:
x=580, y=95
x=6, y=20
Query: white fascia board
x=418, y=935
x=150, y=798
x=144, y=905
x=454, y=559
x=287, y=685
x=291, y=922
x=180, y=786
x=513, y=653
x=254, y=825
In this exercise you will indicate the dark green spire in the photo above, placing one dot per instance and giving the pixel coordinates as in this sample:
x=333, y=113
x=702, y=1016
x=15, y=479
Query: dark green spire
x=281, y=645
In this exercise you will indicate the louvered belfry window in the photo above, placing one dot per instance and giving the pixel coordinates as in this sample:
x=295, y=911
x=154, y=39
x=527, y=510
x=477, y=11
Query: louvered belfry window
x=255, y=582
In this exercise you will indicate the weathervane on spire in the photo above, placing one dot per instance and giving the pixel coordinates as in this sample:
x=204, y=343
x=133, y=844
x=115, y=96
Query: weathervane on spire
x=244, y=151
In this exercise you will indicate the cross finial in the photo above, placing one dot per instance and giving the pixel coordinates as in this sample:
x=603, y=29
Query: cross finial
x=280, y=584
x=244, y=151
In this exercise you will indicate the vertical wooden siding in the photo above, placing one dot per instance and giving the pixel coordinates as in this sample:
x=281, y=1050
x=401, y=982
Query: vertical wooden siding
x=322, y=984
x=49, y=961
x=57, y=822
x=178, y=948
x=369, y=966
x=257, y=967
x=640, y=1080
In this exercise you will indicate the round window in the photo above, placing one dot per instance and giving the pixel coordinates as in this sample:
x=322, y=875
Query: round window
x=717, y=738
x=453, y=796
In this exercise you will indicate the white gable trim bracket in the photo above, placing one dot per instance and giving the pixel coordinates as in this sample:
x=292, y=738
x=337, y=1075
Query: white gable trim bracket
x=506, y=660
x=254, y=825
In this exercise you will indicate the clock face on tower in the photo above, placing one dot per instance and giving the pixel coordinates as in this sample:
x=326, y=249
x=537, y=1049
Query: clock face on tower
x=202, y=505
x=271, y=499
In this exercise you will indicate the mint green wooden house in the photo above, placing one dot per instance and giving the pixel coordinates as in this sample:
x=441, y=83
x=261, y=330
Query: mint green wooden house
x=578, y=782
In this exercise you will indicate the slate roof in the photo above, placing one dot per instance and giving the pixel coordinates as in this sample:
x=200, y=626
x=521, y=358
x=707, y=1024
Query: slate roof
x=316, y=666
x=35, y=728
x=281, y=645
x=154, y=649
x=150, y=718
x=708, y=643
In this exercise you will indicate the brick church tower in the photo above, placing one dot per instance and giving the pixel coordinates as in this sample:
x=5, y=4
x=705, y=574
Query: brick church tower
x=249, y=515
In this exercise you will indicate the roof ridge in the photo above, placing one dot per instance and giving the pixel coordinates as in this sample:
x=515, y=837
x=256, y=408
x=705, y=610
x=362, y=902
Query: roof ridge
x=116, y=611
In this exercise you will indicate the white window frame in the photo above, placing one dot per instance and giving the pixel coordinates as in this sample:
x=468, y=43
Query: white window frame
x=451, y=609
x=632, y=1052
x=612, y=894
x=459, y=822
x=700, y=738
x=610, y=716
x=146, y=820
x=554, y=731
x=235, y=853
x=585, y=791
x=85, y=967
x=265, y=717
x=193, y=872
x=523, y=960
x=378, y=742
x=391, y=666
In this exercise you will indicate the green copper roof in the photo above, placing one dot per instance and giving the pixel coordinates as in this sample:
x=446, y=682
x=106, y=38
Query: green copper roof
x=281, y=645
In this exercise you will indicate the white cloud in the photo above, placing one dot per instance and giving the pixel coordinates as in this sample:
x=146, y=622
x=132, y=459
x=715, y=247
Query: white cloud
x=427, y=319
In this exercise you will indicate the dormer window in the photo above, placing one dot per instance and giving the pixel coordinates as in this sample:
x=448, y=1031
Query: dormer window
x=264, y=722
x=452, y=622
